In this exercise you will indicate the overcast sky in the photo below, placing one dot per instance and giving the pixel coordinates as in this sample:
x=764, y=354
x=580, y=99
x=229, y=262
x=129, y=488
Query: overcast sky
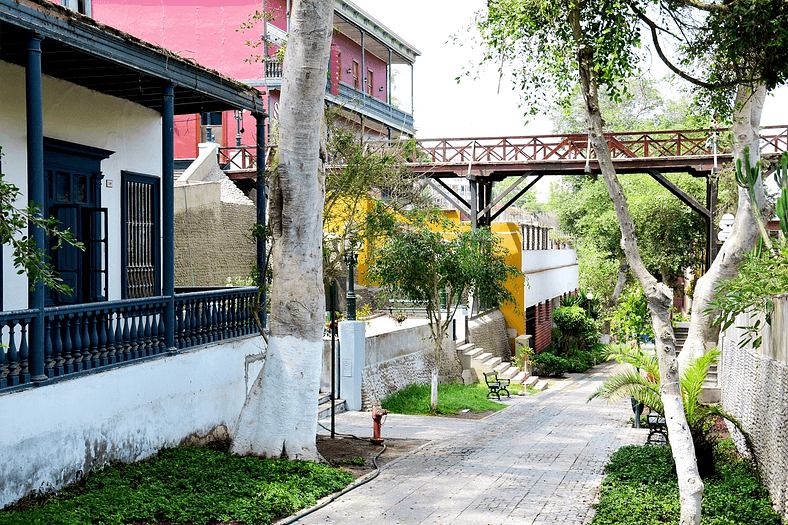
x=443, y=108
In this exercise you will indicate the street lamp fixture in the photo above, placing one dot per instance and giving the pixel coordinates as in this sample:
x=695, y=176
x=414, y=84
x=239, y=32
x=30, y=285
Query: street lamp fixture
x=589, y=297
x=351, y=259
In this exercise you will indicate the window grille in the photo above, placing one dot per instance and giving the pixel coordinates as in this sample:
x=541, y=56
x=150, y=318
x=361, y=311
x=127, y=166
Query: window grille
x=140, y=237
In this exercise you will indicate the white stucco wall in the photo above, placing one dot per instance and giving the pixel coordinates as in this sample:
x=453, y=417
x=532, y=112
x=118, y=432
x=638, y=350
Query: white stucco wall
x=49, y=434
x=549, y=274
x=79, y=115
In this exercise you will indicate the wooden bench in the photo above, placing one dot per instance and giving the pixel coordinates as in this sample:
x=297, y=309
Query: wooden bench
x=496, y=385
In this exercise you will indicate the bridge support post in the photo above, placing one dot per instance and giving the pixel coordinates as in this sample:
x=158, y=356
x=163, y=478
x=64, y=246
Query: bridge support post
x=474, y=203
x=711, y=205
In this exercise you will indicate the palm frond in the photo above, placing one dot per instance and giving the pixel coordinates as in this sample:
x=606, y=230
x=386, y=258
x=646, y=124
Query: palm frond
x=692, y=378
x=630, y=383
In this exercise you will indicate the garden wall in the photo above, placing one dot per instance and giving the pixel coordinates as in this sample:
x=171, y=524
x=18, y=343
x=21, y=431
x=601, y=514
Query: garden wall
x=755, y=390
x=52, y=435
x=396, y=356
x=213, y=241
x=489, y=331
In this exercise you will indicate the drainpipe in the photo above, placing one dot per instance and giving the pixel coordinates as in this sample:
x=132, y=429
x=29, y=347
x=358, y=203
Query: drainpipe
x=168, y=212
x=36, y=194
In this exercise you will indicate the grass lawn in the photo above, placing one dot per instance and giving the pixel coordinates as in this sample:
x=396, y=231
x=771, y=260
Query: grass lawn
x=194, y=485
x=641, y=488
x=415, y=399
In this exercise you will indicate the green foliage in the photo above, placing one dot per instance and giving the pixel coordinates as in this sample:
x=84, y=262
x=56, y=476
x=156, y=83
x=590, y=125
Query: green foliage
x=577, y=330
x=532, y=41
x=642, y=382
x=29, y=258
x=645, y=107
x=670, y=235
x=415, y=399
x=631, y=319
x=761, y=276
x=748, y=178
x=549, y=364
x=418, y=264
x=188, y=485
x=781, y=207
x=641, y=488
x=367, y=188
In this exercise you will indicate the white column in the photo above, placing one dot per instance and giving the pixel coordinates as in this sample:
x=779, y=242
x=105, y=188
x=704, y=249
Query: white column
x=352, y=357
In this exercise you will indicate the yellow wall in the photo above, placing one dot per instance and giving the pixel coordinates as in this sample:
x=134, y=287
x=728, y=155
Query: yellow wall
x=511, y=238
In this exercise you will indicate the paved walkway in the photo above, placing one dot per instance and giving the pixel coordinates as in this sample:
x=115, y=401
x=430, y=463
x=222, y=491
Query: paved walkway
x=540, y=461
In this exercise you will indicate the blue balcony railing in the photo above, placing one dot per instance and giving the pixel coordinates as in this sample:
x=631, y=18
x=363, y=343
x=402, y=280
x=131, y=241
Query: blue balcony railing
x=92, y=337
x=358, y=101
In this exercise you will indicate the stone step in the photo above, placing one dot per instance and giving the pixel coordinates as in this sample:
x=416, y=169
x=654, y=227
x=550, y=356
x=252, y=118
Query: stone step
x=468, y=354
x=484, y=356
x=501, y=368
x=324, y=407
x=519, y=377
x=531, y=381
x=489, y=364
x=510, y=373
x=465, y=347
x=540, y=385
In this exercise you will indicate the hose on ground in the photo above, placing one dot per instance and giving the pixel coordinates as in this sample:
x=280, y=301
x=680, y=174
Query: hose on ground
x=333, y=498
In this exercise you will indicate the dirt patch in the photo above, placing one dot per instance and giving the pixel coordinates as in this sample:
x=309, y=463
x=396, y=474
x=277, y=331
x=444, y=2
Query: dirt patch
x=356, y=455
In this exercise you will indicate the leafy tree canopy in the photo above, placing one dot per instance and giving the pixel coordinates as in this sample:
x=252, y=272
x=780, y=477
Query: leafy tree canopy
x=418, y=263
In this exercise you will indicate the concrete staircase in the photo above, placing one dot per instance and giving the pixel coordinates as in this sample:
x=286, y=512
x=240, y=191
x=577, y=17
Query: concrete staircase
x=476, y=361
x=324, y=405
x=711, y=387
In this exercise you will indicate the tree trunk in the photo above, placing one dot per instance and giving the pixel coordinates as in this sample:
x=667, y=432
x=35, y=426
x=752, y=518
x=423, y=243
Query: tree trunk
x=623, y=271
x=279, y=417
x=658, y=295
x=702, y=336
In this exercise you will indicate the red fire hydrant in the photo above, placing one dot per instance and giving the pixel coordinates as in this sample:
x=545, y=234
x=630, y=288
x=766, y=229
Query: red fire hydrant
x=377, y=422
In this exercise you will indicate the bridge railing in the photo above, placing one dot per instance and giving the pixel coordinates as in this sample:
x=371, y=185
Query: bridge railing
x=640, y=144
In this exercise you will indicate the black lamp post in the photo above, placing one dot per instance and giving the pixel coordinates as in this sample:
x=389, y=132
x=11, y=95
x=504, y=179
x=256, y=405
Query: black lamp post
x=239, y=116
x=350, y=259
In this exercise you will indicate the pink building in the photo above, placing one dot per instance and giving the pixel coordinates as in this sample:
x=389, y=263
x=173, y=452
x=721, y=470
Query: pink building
x=217, y=35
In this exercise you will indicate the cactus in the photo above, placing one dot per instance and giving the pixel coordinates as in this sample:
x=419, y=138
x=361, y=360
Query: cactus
x=781, y=208
x=748, y=178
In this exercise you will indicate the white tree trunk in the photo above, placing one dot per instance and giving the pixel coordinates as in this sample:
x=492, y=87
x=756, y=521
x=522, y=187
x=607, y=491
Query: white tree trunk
x=279, y=417
x=658, y=295
x=702, y=336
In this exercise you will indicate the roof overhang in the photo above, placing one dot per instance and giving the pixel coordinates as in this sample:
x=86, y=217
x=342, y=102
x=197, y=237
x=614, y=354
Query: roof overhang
x=80, y=50
x=351, y=20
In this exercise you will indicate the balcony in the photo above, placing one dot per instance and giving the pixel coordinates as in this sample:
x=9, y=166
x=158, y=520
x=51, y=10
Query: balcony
x=93, y=337
x=355, y=100
x=351, y=99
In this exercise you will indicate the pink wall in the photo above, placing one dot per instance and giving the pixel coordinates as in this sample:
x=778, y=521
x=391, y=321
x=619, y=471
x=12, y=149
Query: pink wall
x=209, y=31
x=352, y=51
x=205, y=30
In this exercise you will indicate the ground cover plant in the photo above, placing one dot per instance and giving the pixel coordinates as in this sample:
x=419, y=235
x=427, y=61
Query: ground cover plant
x=452, y=398
x=185, y=485
x=641, y=488
x=553, y=361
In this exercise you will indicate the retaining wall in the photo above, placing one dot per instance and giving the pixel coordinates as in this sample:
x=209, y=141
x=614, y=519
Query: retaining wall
x=49, y=436
x=755, y=390
x=488, y=331
x=213, y=242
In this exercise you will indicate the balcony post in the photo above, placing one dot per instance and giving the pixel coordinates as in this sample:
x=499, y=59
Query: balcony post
x=261, y=209
x=36, y=195
x=168, y=212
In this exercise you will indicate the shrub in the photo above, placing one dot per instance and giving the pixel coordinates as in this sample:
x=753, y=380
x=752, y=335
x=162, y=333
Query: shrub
x=549, y=364
x=641, y=488
x=577, y=330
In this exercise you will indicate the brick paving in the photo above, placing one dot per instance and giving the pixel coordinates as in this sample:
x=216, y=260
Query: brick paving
x=538, y=462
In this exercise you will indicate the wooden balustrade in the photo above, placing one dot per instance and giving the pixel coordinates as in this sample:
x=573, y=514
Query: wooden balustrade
x=98, y=336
